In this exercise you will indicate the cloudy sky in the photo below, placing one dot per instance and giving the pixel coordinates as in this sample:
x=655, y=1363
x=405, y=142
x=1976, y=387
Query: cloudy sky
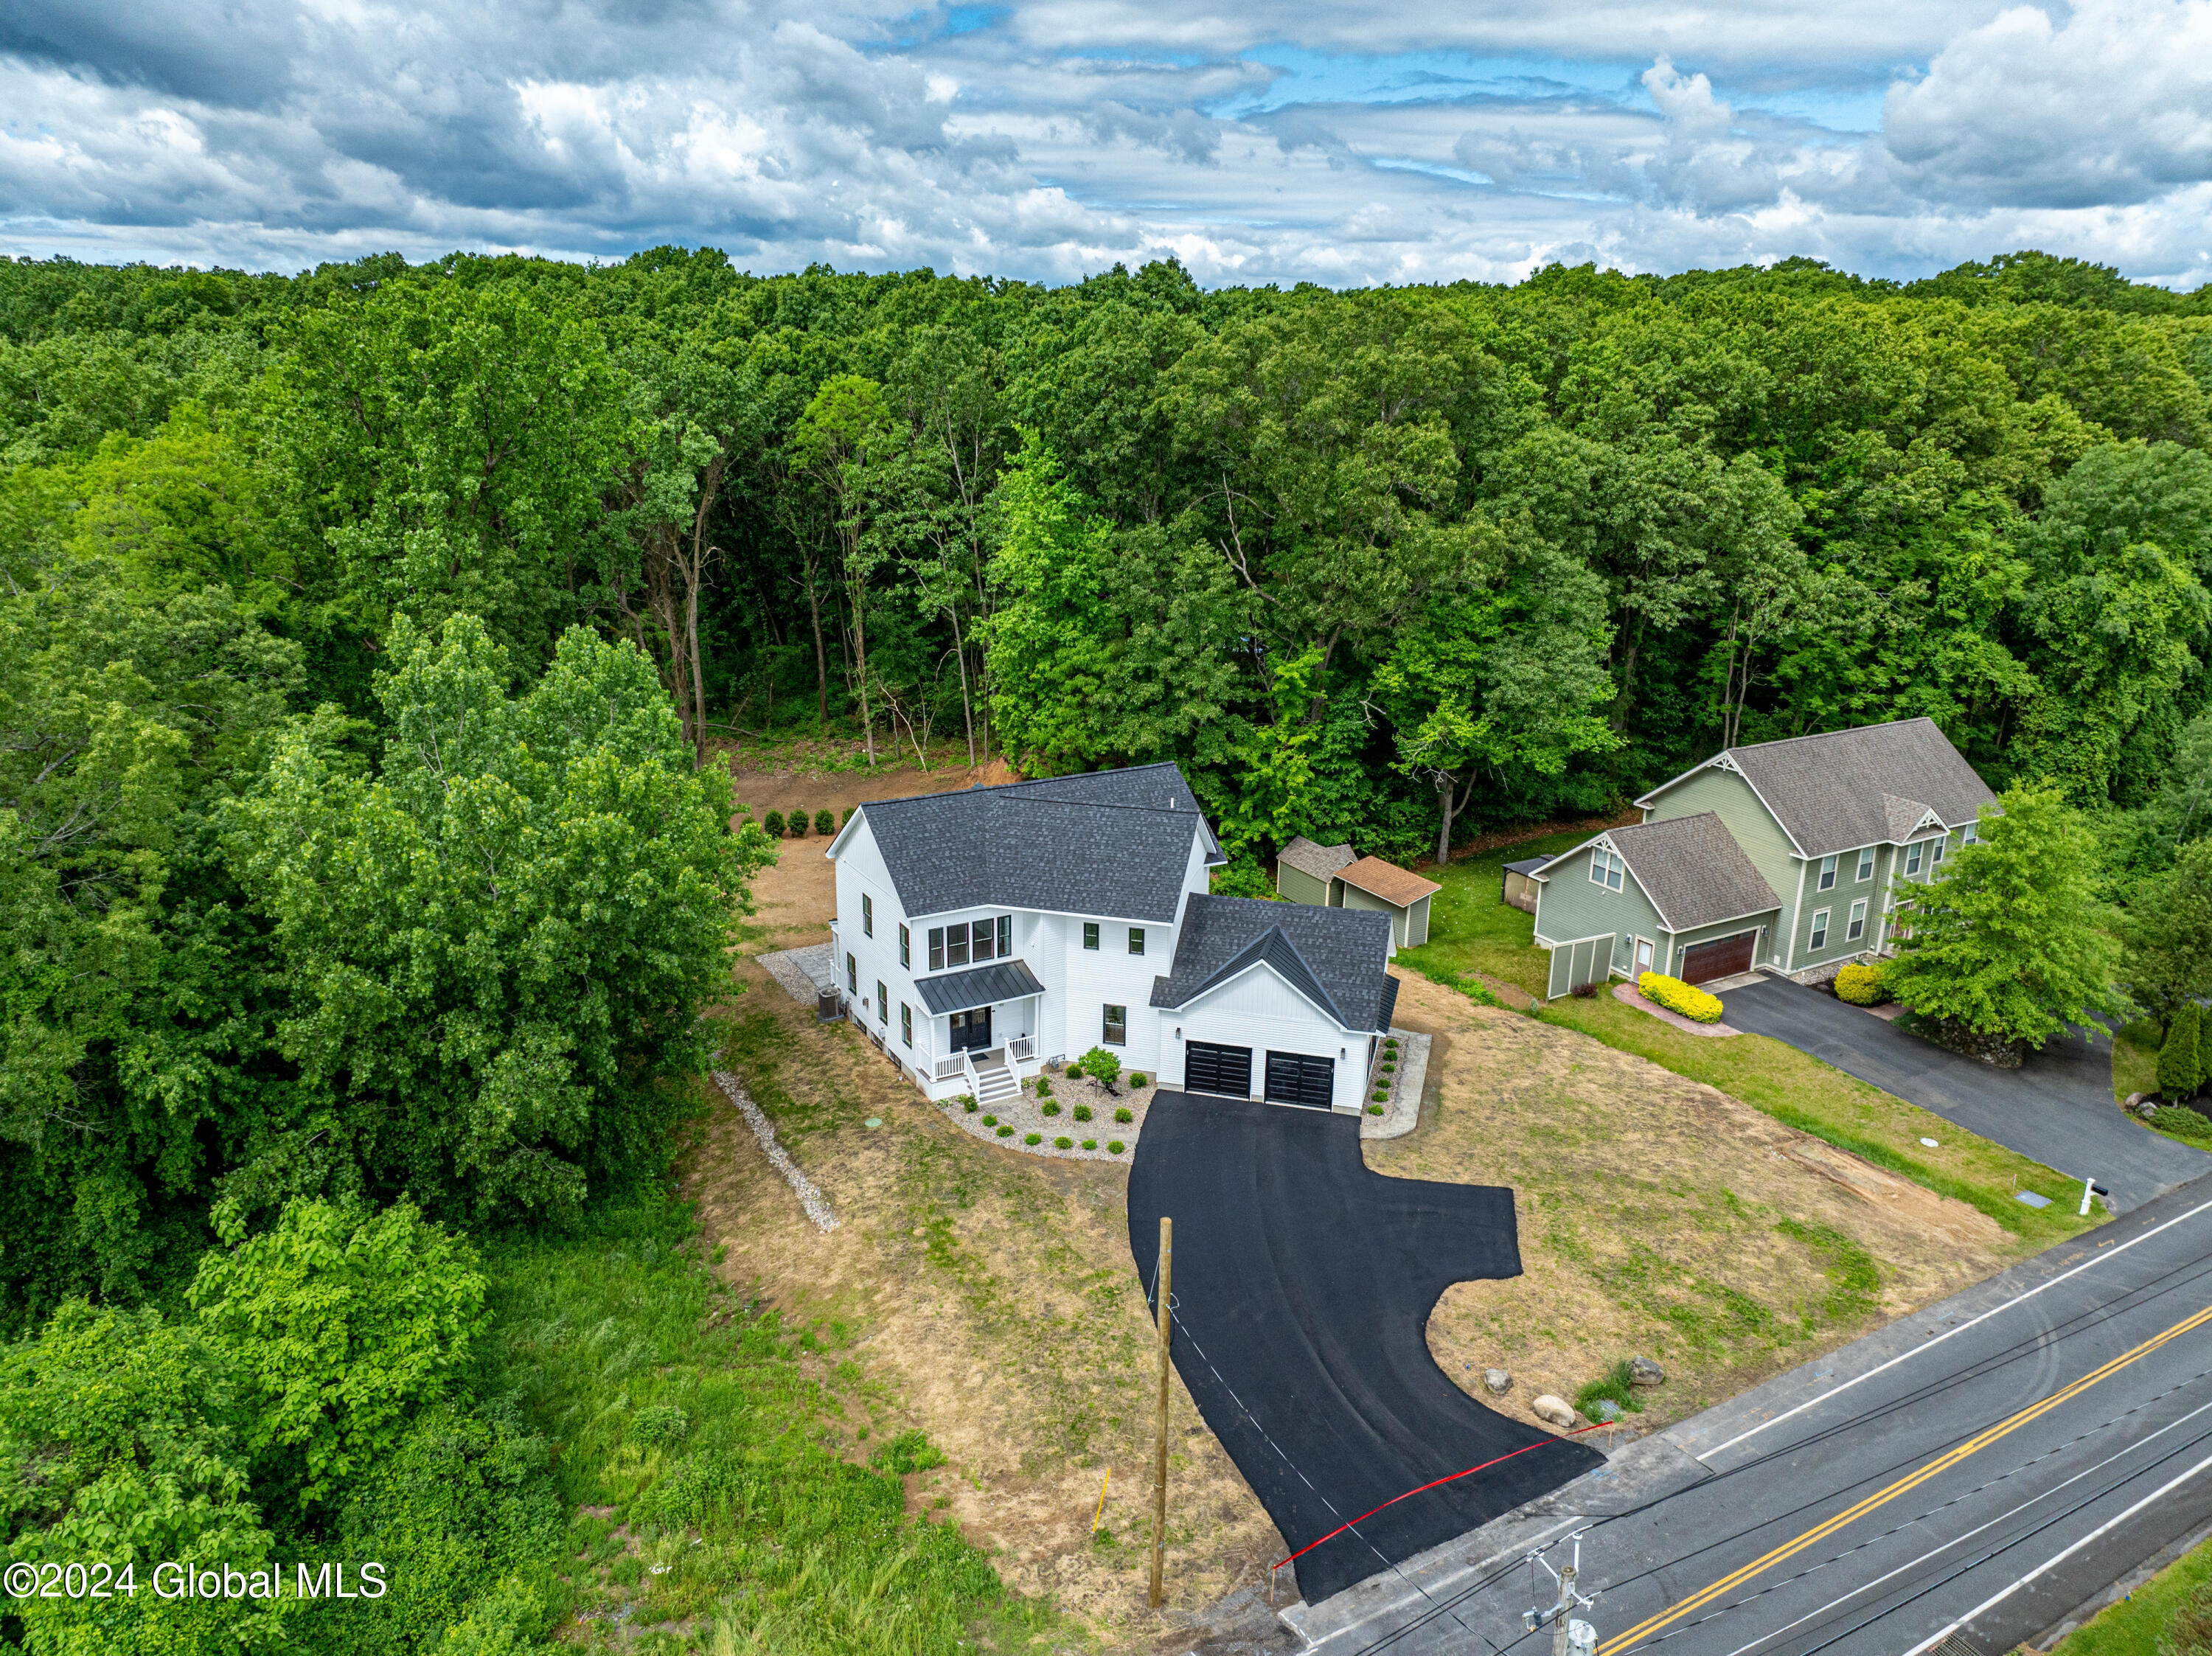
x=1256, y=142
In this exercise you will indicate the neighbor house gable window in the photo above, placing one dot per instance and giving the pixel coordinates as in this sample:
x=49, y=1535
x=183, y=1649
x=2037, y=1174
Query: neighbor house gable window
x=1605, y=869
x=1090, y=934
x=1936, y=848
x=937, y=949
x=1136, y=940
x=1967, y=834
x=1819, y=938
x=852, y=975
x=906, y=947
x=1913, y=855
x=1827, y=874
x=1857, y=929
x=867, y=915
x=1117, y=1026
x=905, y=1023
x=1866, y=863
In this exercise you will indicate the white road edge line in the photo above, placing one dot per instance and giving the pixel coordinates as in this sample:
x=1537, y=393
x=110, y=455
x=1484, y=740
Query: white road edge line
x=1929, y=1344
x=2057, y=1559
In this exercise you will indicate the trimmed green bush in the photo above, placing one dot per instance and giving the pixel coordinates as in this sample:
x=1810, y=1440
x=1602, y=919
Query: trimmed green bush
x=1051, y=1108
x=1063, y=1143
x=1137, y=1078
x=795, y=825
x=1044, y=1086
x=1075, y=1070
x=1004, y=1131
x=772, y=825
x=1389, y=1043
x=1124, y=1113
x=2181, y=1059
x=970, y=1105
x=1082, y=1112
x=1374, y=1109
x=1090, y=1143
x=1860, y=986
x=1033, y=1139
x=1676, y=995
x=825, y=823
x=1388, y=1068
x=1112, y=1147
x=990, y=1120
x=1380, y=1092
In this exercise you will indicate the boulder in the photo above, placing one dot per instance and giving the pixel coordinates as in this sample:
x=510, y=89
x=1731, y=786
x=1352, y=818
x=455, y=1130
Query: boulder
x=1642, y=1371
x=1556, y=1411
x=1496, y=1382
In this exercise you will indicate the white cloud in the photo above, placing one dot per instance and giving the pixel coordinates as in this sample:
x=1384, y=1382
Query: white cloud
x=1072, y=133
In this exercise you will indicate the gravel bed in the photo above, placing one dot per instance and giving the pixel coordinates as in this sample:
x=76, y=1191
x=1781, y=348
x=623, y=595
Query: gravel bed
x=1401, y=1111
x=1024, y=1116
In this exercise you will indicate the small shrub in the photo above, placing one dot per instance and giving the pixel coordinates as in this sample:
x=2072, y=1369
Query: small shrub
x=1051, y=1108
x=1082, y=1112
x=1388, y=1068
x=1380, y=1092
x=1090, y=1143
x=1033, y=1139
x=848, y=817
x=1005, y=1130
x=795, y=826
x=1044, y=1087
x=1063, y=1143
x=1389, y=1043
x=1102, y=1064
x=2183, y=1123
x=1374, y=1109
x=1122, y=1112
x=970, y=1105
x=1075, y=1070
x=1677, y=996
x=1137, y=1078
x=990, y=1120
x=1860, y=986
x=1112, y=1147
x=1586, y=990
x=772, y=824
x=825, y=823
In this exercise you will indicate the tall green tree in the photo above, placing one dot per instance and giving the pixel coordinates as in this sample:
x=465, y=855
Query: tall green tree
x=2010, y=940
x=2167, y=930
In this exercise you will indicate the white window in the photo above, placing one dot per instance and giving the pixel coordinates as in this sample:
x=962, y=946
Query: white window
x=1827, y=874
x=852, y=975
x=1856, y=928
x=1090, y=934
x=1136, y=940
x=867, y=915
x=1866, y=863
x=1935, y=852
x=906, y=947
x=882, y=1003
x=1117, y=1026
x=1966, y=834
x=906, y=1028
x=1819, y=938
x=1605, y=869
x=1913, y=855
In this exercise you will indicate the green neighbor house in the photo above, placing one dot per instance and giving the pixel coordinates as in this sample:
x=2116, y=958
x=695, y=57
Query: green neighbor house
x=1782, y=857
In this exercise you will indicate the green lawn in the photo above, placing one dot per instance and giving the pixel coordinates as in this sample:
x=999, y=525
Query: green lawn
x=2132, y=1627
x=1470, y=929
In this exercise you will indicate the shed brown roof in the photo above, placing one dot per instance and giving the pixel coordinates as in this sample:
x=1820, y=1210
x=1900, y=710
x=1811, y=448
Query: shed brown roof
x=1392, y=884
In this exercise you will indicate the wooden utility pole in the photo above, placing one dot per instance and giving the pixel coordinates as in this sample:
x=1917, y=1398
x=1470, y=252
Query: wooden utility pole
x=1563, y=1613
x=1163, y=1277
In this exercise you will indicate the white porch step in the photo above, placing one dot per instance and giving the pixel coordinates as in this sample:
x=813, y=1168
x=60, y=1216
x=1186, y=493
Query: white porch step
x=996, y=1085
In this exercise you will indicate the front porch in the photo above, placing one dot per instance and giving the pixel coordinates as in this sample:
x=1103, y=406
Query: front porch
x=981, y=1032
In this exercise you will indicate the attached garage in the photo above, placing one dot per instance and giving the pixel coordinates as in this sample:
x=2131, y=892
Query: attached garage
x=1295, y=1079
x=1723, y=958
x=1208, y=1068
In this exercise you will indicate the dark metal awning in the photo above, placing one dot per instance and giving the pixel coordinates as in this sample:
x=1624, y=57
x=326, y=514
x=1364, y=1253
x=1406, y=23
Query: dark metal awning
x=985, y=986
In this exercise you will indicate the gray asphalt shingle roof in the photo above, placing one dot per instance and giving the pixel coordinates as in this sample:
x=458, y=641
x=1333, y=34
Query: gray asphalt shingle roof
x=981, y=986
x=1334, y=956
x=1693, y=870
x=1834, y=791
x=1113, y=843
x=1309, y=857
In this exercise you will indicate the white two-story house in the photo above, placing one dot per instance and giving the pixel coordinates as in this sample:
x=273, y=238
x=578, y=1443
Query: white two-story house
x=983, y=934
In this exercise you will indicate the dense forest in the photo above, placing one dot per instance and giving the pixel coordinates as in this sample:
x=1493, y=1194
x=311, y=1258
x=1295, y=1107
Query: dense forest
x=369, y=639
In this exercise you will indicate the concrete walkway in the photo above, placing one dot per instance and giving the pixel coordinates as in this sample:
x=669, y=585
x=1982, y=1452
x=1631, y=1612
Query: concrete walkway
x=2057, y=1107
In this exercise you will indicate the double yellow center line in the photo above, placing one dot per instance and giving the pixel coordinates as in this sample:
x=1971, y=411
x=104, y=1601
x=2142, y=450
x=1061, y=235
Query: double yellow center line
x=1911, y=1481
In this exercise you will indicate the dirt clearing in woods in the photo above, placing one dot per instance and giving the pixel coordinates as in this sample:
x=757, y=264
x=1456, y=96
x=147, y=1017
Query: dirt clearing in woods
x=986, y=1296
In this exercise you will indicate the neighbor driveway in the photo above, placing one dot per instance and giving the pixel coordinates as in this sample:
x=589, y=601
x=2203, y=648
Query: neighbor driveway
x=1302, y=1290
x=2056, y=1107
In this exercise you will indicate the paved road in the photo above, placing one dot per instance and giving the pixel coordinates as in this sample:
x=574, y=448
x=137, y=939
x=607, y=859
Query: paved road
x=1303, y=1286
x=1972, y=1473
x=2056, y=1107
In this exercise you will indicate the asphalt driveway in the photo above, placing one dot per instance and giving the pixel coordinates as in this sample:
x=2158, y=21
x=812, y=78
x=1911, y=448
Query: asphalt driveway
x=1303, y=1286
x=2056, y=1107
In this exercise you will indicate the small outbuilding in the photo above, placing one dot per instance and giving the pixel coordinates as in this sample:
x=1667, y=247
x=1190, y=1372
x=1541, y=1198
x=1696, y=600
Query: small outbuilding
x=1331, y=876
x=1520, y=887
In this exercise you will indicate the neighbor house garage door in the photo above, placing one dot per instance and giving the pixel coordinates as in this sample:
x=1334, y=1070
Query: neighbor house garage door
x=1294, y=1078
x=1207, y=1068
x=1706, y=961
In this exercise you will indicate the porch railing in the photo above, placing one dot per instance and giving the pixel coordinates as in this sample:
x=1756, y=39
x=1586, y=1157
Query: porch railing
x=947, y=1068
x=1021, y=1049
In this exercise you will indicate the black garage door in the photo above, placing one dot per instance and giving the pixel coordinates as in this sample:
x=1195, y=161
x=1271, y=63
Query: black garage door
x=1293, y=1078
x=1210, y=1069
